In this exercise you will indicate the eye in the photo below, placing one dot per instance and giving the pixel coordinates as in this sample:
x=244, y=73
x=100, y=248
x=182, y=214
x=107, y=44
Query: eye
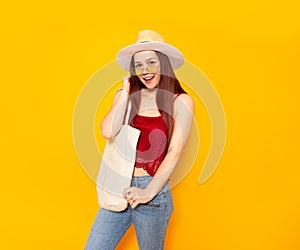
x=139, y=65
x=151, y=62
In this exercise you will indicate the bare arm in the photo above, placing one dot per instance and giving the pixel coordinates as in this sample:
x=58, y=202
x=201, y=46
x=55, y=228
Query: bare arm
x=112, y=122
x=183, y=115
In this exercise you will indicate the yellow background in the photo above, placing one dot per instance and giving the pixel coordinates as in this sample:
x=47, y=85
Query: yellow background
x=250, y=52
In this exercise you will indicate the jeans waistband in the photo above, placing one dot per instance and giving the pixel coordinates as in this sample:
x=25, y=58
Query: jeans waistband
x=143, y=181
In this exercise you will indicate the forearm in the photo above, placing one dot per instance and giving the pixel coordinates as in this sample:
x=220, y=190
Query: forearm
x=113, y=121
x=181, y=131
x=163, y=173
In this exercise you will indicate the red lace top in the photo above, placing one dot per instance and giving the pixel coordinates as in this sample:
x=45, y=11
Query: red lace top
x=151, y=147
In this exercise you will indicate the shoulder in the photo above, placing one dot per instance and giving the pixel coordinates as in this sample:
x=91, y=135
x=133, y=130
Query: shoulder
x=185, y=98
x=183, y=102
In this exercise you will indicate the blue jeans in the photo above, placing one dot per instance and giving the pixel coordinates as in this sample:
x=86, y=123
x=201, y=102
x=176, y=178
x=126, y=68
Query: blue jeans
x=150, y=221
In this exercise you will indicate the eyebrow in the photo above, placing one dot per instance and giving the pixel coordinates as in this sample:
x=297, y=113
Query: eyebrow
x=151, y=58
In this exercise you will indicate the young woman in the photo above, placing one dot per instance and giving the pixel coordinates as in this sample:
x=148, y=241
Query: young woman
x=163, y=112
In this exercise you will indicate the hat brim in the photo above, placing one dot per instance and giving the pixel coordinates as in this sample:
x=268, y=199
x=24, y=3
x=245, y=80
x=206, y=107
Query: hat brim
x=174, y=55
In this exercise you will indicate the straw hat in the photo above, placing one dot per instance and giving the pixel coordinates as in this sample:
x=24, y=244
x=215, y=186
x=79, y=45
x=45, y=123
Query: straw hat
x=150, y=40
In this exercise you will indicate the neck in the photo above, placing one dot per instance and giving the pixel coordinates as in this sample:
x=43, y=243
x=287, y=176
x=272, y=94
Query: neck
x=148, y=92
x=148, y=100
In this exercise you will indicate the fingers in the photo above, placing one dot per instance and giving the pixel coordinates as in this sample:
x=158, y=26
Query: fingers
x=127, y=192
x=131, y=201
x=134, y=204
x=129, y=196
x=126, y=83
x=135, y=196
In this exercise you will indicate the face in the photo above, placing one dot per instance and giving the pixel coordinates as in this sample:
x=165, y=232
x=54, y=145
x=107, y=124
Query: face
x=147, y=68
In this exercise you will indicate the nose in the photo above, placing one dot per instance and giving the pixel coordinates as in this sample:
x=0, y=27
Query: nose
x=145, y=68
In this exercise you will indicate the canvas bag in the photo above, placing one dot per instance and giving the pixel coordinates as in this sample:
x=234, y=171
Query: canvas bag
x=117, y=166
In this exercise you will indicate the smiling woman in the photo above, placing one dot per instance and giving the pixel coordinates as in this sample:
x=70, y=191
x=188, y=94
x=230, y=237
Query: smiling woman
x=163, y=113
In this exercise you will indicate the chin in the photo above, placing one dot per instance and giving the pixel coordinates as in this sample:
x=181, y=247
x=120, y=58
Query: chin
x=150, y=86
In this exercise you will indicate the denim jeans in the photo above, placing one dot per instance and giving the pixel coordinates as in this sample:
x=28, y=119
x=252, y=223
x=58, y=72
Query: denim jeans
x=150, y=221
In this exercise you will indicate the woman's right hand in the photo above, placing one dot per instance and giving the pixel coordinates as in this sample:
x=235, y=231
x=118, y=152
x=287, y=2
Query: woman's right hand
x=126, y=84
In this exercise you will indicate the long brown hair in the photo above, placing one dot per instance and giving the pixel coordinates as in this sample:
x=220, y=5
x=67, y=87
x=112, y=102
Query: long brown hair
x=165, y=103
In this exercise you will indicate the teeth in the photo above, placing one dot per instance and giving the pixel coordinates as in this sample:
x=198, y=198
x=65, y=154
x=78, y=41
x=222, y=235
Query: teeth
x=148, y=78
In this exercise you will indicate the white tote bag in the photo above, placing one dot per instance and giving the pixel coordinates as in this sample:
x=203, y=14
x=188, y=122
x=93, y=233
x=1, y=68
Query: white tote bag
x=117, y=166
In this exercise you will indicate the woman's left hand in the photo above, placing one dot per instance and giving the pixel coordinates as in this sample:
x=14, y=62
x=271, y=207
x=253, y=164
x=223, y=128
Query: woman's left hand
x=135, y=196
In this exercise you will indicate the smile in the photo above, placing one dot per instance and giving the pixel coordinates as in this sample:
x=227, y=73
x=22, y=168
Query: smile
x=148, y=78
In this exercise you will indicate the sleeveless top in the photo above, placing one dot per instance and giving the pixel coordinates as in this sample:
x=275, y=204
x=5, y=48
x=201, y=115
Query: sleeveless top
x=152, y=144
